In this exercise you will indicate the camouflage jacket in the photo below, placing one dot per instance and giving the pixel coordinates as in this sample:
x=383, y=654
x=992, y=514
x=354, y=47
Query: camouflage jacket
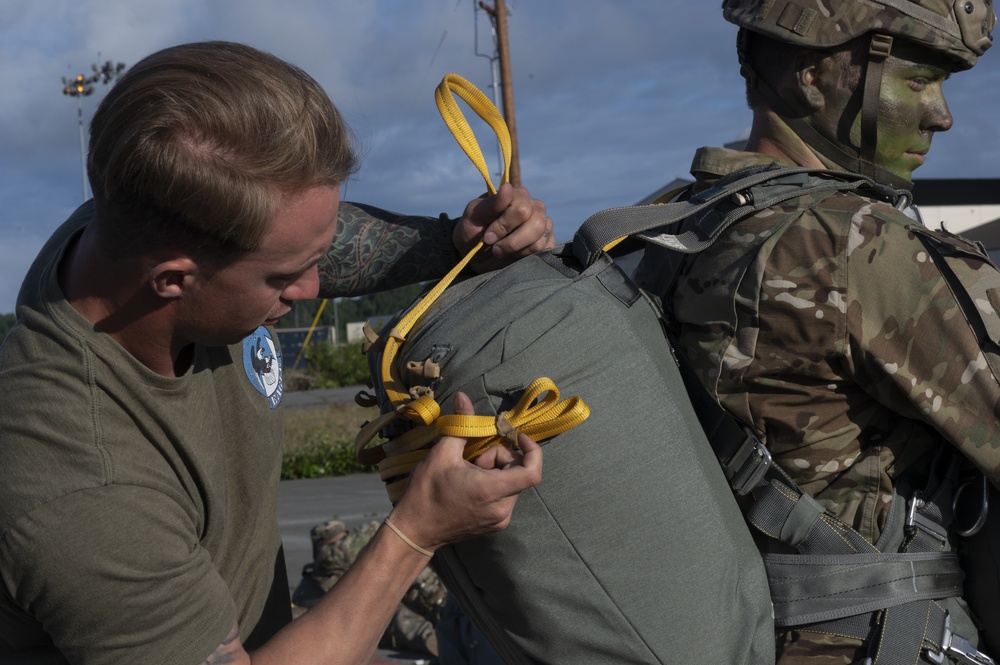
x=832, y=333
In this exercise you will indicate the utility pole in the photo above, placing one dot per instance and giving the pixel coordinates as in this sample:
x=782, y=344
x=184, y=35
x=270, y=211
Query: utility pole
x=80, y=86
x=498, y=15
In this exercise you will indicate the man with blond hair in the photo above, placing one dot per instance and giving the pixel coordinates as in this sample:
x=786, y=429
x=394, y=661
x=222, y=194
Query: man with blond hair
x=141, y=437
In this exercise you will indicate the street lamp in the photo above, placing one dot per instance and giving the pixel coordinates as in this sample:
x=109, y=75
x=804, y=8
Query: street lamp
x=80, y=86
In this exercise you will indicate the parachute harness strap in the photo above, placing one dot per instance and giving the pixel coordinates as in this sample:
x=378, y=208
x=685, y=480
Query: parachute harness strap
x=546, y=418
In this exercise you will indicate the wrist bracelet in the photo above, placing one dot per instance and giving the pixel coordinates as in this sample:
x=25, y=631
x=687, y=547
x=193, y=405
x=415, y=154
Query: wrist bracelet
x=406, y=540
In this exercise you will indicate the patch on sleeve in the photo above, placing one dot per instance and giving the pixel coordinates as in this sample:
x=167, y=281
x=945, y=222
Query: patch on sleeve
x=262, y=363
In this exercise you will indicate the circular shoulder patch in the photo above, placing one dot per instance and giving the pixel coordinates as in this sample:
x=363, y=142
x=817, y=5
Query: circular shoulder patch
x=262, y=363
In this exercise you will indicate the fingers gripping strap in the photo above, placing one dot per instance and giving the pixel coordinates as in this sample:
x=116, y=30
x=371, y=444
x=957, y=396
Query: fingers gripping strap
x=539, y=413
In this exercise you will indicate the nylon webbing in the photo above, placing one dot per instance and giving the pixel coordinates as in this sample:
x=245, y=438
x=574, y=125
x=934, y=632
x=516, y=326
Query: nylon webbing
x=838, y=583
x=607, y=228
x=540, y=413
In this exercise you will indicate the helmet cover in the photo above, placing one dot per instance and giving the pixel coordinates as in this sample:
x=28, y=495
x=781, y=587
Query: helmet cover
x=960, y=29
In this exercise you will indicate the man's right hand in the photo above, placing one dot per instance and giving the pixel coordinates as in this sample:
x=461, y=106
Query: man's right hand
x=448, y=499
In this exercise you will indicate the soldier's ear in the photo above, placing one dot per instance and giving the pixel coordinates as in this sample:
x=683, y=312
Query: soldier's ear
x=813, y=77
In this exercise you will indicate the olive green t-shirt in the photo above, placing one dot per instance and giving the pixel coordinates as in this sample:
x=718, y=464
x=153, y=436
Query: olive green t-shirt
x=137, y=512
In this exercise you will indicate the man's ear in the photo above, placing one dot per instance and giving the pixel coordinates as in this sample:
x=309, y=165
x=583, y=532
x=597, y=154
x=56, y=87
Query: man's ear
x=171, y=278
x=812, y=78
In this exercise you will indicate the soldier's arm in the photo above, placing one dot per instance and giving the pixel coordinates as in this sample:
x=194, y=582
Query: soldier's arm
x=911, y=338
x=446, y=499
x=376, y=250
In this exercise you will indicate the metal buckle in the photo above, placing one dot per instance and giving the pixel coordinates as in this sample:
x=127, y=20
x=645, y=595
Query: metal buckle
x=747, y=467
x=914, y=520
x=958, y=649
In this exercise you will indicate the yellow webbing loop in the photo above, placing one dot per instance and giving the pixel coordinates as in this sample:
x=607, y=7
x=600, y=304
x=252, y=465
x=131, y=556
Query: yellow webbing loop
x=539, y=413
x=459, y=126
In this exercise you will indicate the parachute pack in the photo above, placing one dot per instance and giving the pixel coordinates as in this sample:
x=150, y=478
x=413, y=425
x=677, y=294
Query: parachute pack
x=634, y=548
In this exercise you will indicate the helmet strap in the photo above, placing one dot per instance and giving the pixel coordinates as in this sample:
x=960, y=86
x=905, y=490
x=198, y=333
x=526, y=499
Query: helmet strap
x=861, y=161
x=878, y=51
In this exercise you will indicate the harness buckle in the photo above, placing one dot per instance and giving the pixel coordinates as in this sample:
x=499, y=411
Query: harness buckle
x=916, y=520
x=746, y=468
x=958, y=649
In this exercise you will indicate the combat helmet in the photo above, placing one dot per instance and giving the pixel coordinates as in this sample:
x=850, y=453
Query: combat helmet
x=959, y=29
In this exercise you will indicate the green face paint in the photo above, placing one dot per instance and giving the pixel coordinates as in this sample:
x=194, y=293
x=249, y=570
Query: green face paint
x=912, y=108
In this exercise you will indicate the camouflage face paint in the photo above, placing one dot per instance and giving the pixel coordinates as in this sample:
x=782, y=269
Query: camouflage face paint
x=912, y=108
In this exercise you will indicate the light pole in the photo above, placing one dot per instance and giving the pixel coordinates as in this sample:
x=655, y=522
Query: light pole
x=80, y=86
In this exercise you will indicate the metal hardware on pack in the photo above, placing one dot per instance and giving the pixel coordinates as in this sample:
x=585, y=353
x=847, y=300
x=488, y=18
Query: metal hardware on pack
x=984, y=507
x=439, y=352
x=744, y=198
x=915, y=520
x=747, y=467
x=905, y=201
x=957, y=649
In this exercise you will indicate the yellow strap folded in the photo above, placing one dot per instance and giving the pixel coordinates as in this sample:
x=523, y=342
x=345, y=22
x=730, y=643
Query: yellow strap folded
x=539, y=413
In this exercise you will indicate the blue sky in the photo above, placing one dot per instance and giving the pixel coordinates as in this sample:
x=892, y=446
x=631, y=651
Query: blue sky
x=612, y=96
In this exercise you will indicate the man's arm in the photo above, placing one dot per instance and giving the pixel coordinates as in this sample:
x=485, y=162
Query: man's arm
x=376, y=250
x=446, y=499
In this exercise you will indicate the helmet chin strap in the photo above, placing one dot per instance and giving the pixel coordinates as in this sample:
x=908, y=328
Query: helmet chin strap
x=860, y=161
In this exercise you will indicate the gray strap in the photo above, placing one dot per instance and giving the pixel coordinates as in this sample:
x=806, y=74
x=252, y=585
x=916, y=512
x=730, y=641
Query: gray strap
x=800, y=521
x=901, y=633
x=776, y=513
x=710, y=223
x=908, y=630
x=606, y=226
x=810, y=589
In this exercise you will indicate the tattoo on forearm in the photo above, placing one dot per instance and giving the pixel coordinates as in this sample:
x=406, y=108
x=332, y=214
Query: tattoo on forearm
x=375, y=250
x=229, y=651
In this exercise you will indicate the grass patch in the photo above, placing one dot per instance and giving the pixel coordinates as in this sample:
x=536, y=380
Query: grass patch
x=335, y=365
x=319, y=441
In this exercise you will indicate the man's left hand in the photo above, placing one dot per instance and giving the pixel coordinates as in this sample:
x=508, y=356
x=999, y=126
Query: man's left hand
x=510, y=223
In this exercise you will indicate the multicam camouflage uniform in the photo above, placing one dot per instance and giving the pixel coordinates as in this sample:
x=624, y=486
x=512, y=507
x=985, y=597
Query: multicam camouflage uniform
x=833, y=334
x=335, y=547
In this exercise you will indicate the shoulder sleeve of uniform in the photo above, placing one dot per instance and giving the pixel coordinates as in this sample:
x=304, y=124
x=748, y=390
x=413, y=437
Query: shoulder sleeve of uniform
x=911, y=346
x=116, y=575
